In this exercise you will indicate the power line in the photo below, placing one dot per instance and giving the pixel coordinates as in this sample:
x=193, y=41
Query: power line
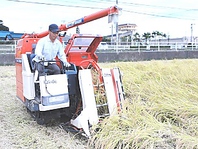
x=54, y=4
x=128, y=3
x=141, y=5
x=95, y=1
x=154, y=6
x=158, y=15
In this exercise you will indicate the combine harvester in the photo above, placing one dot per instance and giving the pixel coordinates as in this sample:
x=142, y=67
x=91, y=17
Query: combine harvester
x=82, y=94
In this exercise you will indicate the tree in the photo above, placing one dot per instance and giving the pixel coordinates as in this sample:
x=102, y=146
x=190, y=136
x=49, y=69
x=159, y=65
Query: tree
x=136, y=37
x=106, y=39
x=2, y=27
x=164, y=35
x=124, y=39
x=147, y=36
x=156, y=34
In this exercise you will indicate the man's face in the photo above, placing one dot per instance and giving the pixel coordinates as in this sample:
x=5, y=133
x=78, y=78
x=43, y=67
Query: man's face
x=53, y=35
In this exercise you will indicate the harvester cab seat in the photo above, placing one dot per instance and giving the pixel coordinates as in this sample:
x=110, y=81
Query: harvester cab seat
x=33, y=48
x=39, y=66
x=32, y=64
x=30, y=58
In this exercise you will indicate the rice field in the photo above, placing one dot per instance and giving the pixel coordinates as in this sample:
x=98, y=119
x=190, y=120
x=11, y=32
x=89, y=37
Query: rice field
x=160, y=112
x=161, y=109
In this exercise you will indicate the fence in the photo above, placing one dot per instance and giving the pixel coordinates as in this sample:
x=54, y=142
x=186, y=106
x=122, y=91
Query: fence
x=154, y=46
x=7, y=48
x=127, y=47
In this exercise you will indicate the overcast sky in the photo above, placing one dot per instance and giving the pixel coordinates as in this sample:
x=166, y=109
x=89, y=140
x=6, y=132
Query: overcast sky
x=172, y=17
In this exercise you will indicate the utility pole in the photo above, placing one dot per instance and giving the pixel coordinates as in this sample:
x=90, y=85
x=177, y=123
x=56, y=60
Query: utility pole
x=111, y=33
x=191, y=33
x=117, y=32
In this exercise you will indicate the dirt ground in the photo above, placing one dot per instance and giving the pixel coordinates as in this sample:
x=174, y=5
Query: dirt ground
x=19, y=130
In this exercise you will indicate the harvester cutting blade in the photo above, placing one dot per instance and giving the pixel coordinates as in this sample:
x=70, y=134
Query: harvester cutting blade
x=68, y=127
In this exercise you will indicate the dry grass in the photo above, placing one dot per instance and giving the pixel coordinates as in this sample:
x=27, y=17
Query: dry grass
x=161, y=111
x=18, y=130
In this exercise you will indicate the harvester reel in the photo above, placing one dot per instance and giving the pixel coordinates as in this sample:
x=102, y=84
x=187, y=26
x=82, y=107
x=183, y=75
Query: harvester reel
x=91, y=63
x=93, y=66
x=98, y=84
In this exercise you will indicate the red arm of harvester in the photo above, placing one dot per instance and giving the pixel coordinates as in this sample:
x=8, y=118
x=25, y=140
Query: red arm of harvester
x=89, y=18
x=83, y=20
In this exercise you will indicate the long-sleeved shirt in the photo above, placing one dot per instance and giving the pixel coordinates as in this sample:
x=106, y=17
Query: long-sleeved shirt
x=49, y=50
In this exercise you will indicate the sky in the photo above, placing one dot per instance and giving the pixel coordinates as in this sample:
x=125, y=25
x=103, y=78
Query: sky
x=175, y=18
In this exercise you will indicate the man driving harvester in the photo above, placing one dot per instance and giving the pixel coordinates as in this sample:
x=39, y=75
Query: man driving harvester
x=48, y=48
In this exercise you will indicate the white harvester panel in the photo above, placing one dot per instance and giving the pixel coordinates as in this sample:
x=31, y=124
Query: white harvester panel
x=89, y=113
x=52, y=85
x=54, y=92
x=109, y=89
x=28, y=79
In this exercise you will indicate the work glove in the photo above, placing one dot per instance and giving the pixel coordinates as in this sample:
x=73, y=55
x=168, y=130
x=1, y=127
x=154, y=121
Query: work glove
x=38, y=58
x=41, y=58
x=66, y=64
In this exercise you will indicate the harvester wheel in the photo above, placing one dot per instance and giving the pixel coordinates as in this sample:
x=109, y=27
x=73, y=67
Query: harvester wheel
x=38, y=117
